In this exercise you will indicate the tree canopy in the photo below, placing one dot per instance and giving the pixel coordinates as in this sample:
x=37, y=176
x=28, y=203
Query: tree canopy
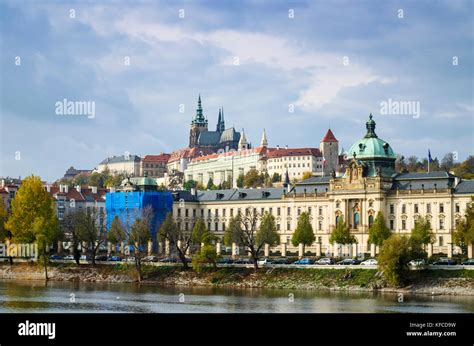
x=379, y=231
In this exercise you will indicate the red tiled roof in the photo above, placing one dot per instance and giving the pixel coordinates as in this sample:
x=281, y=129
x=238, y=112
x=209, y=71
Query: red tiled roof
x=157, y=158
x=274, y=153
x=329, y=137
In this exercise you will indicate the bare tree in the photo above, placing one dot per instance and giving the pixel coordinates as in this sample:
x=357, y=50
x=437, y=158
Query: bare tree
x=92, y=230
x=178, y=239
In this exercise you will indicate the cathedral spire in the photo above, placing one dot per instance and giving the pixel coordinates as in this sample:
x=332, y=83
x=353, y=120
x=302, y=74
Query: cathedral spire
x=243, y=141
x=264, y=142
x=199, y=117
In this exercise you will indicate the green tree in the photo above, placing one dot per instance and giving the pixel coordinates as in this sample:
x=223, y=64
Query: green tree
x=464, y=233
x=253, y=178
x=379, y=231
x=393, y=259
x=70, y=226
x=341, y=234
x=140, y=236
x=91, y=230
x=210, y=184
x=227, y=184
x=199, y=232
x=421, y=233
x=306, y=175
x=178, y=239
x=33, y=218
x=240, y=181
x=190, y=184
x=304, y=232
x=116, y=233
x=276, y=178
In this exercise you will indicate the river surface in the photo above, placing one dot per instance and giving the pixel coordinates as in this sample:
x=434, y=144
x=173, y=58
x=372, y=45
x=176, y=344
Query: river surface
x=55, y=297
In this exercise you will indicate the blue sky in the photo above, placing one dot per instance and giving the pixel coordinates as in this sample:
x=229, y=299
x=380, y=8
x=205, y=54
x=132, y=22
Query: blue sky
x=334, y=61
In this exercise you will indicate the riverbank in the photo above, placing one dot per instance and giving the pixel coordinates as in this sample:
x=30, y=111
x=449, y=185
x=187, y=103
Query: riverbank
x=438, y=282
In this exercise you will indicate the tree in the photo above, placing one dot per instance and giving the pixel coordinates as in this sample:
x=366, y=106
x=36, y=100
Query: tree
x=175, y=180
x=306, y=175
x=421, y=233
x=342, y=235
x=447, y=162
x=253, y=178
x=243, y=230
x=4, y=233
x=379, y=231
x=393, y=259
x=178, y=239
x=464, y=233
x=33, y=218
x=240, y=181
x=210, y=184
x=190, y=184
x=140, y=236
x=116, y=233
x=199, y=232
x=276, y=178
x=70, y=228
x=304, y=232
x=465, y=170
x=91, y=230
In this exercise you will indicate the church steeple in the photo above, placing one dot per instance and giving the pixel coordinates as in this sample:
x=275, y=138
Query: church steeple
x=199, y=117
x=220, y=121
x=264, y=142
x=242, y=141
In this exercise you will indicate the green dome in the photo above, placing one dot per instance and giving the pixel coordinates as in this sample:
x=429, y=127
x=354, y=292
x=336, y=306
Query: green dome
x=371, y=146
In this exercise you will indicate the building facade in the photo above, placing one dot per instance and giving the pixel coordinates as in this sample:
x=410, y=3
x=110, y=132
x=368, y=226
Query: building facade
x=123, y=164
x=155, y=166
x=368, y=185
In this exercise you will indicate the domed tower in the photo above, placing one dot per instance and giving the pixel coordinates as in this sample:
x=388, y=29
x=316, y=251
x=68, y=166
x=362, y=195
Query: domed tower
x=374, y=154
x=198, y=125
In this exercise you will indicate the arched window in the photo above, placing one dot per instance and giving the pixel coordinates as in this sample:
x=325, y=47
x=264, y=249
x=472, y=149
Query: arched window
x=371, y=220
x=356, y=219
x=338, y=218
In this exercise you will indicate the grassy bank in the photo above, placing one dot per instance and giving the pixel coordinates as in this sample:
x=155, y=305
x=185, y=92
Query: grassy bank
x=422, y=281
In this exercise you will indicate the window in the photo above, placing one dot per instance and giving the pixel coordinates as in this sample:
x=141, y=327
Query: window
x=299, y=211
x=309, y=210
x=288, y=226
x=186, y=212
x=208, y=226
x=320, y=225
x=223, y=226
x=441, y=223
x=179, y=225
x=223, y=212
x=441, y=241
x=371, y=220
x=320, y=210
x=392, y=209
x=441, y=208
x=428, y=208
x=217, y=226
x=404, y=208
x=209, y=213
x=289, y=211
x=202, y=212
x=338, y=204
x=217, y=212
x=179, y=212
x=338, y=218
x=320, y=240
x=186, y=226
x=262, y=210
x=404, y=224
x=231, y=211
x=457, y=208
x=371, y=203
x=194, y=212
x=391, y=225
x=278, y=227
x=416, y=208
x=278, y=211
x=356, y=220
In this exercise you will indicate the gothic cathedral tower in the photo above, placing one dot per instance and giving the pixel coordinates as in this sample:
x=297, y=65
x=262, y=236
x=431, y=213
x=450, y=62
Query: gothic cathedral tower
x=198, y=125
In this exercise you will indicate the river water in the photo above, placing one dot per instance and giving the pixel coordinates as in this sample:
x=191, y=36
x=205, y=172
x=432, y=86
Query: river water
x=37, y=296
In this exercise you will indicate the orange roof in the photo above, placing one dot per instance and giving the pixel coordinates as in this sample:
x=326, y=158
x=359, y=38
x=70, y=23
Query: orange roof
x=274, y=153
x=155, y=158
x=329, y=137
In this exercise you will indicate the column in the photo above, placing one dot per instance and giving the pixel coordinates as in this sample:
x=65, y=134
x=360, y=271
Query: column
x=430, y=250
x=318, y=249
x=283, y=249
x=450, y=250
x=469, y=250
x=300, y=250
x=349, y=250
x=218, y=248
x=335, y=250
x=354, y=250
x=372, y=250
x=267, y=250
x=234, y=250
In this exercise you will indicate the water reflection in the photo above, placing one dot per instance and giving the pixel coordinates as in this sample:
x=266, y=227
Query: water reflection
x=36, y=296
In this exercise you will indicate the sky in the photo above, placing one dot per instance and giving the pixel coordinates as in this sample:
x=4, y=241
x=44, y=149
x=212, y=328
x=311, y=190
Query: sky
x=295, y=68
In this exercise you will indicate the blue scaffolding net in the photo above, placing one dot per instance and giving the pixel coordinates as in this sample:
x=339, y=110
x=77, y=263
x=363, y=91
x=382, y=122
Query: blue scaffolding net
x=128, y=206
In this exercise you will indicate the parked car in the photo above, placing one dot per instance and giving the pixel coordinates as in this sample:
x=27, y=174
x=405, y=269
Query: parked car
x=101, y=258
x=263, y=262
x=69, y=258
x=114, y=259
x=150, y=259
x=304, y=261
x=244, y=261
x=445, y=262
x=349, y=261
x=85, y=258
x=225, y=260
x=55, y=257
x=469, y=262
x=324, y=261
x=281, y=261
x=369, y=262
x=129, y=259
x=417, y=262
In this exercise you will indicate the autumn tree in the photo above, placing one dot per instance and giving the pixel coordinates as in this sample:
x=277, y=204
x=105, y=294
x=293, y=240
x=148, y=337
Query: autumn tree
x=304, y=232
x=91, y=230
x=116, y=234
x=33, y=217
x=4, y=233
x=464, y=233
x=139, y=237
x=341, y=234
x=395, y=253
x=70, y=227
